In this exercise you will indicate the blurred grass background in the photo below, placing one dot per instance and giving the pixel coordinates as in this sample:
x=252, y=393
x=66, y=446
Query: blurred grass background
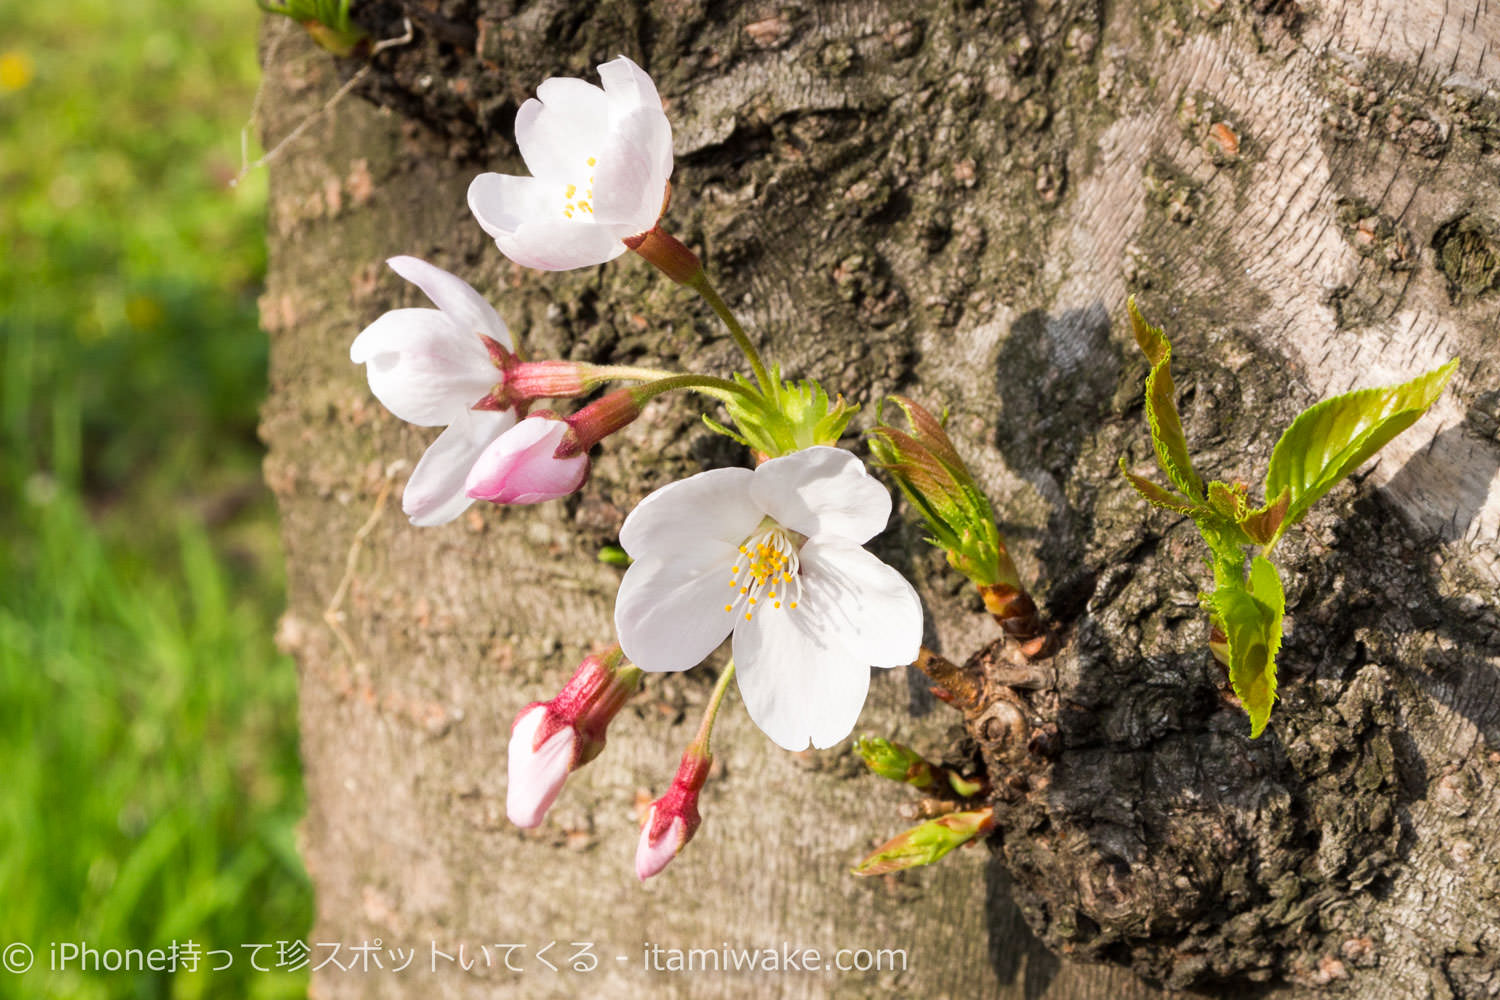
x=149, y=778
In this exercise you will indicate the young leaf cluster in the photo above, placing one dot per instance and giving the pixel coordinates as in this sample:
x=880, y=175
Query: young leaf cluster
x=932, y=476
x=327, y=21
x=1322, y=446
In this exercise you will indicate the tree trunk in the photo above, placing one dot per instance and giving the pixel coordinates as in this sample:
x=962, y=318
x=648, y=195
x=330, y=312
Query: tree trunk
x=954, y=202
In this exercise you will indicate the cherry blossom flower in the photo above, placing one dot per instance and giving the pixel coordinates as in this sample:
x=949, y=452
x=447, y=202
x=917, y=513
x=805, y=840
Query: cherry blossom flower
x=600, y=160
x=775, y=557
x=430, y=367
x=551, y=739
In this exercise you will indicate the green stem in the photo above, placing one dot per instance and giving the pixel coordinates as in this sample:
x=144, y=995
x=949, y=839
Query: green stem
x=709, y=385
x=706, y=727
x=609, y=373
x=701, y=285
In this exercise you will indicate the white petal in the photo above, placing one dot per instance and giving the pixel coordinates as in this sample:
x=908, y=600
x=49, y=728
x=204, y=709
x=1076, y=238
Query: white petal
x=435, y=492
x=823, y=492
x=455, y=297
x=629, y=185
x=669, y=615
x=559, y=129
x=562, y=245
x=675, y=520
x=861, y=603
x=627, y=86
x=423, y=368
x=504, y=202
x=535, y=775
x=651, y=858
x=799, y=685
x=519, y=466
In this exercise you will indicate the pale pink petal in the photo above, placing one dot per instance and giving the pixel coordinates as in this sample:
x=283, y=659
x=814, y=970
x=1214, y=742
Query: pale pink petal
x=423, y=368
x=435, y=492
x=669, y=614
x=559, y=129
x=651, y=858
x=629, y=187
x=465, y=307
x=823, y=492
x=627, y=86
x=535, y=774
x=502, y=203
x=674, y=521
x=798, y=681
x=563, y=244
x=862, y=604
x=521, y=467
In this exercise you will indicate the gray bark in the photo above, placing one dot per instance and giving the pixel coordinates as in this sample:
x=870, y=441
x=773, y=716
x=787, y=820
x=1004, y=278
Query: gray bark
x=953, y=203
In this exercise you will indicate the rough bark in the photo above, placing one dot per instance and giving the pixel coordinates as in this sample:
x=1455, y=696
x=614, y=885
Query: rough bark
x=952, y=202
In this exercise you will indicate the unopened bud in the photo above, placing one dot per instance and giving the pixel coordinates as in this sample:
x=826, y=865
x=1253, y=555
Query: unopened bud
x=895, y=761
x=599, y=420
x=927, y=842
x=523, y=465
x=673, y=818
x=929, y=471
x=551, y=739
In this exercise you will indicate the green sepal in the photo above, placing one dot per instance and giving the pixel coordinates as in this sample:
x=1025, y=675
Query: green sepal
x=1332, y=439
x=719, y=428
x=926, y=843
x=1161, y=407
x=794, y=416
x=1251, y=619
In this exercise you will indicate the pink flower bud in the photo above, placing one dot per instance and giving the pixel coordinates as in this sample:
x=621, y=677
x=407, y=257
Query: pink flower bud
x=674, y=817
x=551, y=739
x=522, y=466
x=601, y=418
x=538, y=765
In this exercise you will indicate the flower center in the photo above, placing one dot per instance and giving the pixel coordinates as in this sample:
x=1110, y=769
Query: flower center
x=766, y=572
x=572, y=202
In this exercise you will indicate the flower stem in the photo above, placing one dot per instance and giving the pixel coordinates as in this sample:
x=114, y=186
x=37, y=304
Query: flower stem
x=700, y=284
x=598, y=374
x=711, y=712
x=709, y=385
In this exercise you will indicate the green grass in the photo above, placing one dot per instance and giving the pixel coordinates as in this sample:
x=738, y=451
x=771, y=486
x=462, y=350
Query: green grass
x=149, y=781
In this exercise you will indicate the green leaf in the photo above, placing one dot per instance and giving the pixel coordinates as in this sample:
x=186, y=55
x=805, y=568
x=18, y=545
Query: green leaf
x=1264, y=523
x=1157, y=495
x=1161, y=407
x=1229, y=500
x=1332, y=439
x=1251, y=619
